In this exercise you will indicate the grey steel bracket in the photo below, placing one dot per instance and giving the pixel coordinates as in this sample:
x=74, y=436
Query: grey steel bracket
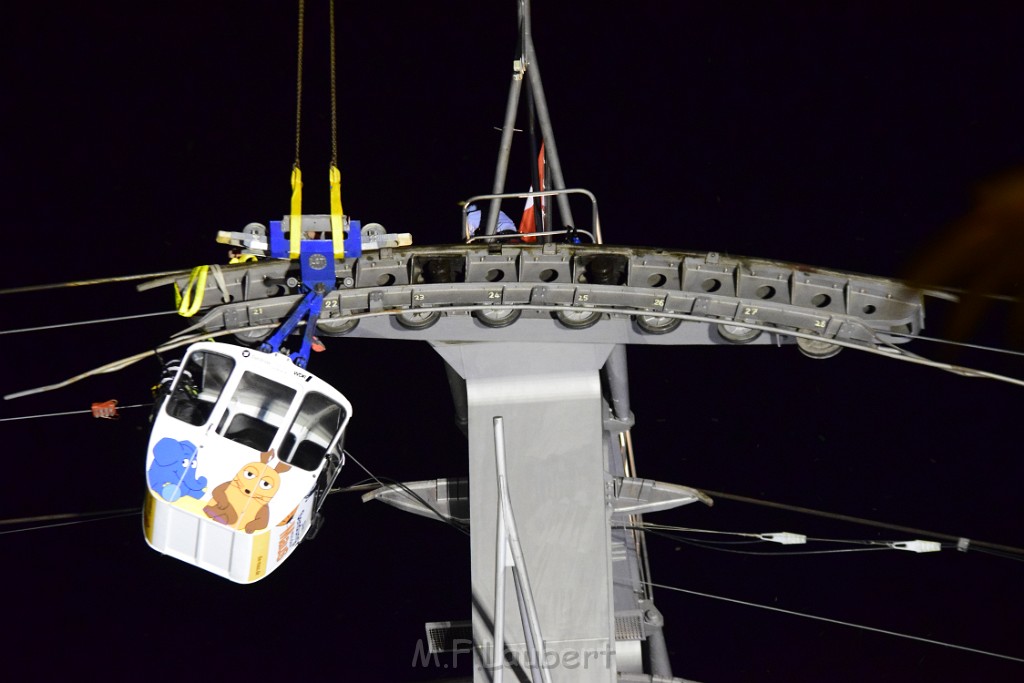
x=449, y=498
x=617, y=425
x=633, y=496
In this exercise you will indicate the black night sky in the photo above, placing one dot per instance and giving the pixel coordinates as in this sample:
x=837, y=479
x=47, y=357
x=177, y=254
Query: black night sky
x=843, y=135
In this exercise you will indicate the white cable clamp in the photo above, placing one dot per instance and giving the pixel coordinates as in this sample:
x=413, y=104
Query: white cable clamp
x=917, y=546
x=963, y=544
x=784, y=537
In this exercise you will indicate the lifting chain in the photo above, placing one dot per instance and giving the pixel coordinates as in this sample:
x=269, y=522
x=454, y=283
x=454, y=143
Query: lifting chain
x=295, y=221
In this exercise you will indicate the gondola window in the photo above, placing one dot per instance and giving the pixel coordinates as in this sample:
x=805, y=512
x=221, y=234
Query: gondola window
x=312, y=431
x=198, y=387
x=256, y=411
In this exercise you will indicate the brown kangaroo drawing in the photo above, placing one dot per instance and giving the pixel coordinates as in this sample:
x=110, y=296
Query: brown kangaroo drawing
x=244, y=502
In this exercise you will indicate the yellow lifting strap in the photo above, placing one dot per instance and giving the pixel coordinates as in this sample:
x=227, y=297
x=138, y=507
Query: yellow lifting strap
x=295, y=222
x=190, y=301
x=337, y=217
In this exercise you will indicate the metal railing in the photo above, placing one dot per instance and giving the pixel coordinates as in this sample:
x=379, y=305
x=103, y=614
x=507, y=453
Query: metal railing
x=595, y=236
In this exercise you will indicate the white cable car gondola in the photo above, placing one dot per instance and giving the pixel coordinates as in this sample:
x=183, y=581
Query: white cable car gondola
x=243, y=451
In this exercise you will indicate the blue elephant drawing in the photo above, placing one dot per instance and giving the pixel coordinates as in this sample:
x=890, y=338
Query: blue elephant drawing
x=173, y=471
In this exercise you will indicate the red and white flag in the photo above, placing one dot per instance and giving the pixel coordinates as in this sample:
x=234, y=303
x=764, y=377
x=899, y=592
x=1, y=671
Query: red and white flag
x=528, y=224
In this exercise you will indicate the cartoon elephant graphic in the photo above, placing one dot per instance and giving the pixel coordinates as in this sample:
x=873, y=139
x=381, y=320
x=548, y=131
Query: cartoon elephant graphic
x=172, y=473
x=244, y=502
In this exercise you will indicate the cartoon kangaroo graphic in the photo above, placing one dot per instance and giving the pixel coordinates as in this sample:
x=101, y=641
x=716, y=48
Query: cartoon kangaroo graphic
x=244, y=502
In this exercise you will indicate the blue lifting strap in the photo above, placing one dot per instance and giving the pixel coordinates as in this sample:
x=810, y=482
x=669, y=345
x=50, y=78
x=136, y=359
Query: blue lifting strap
x=310, y=305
